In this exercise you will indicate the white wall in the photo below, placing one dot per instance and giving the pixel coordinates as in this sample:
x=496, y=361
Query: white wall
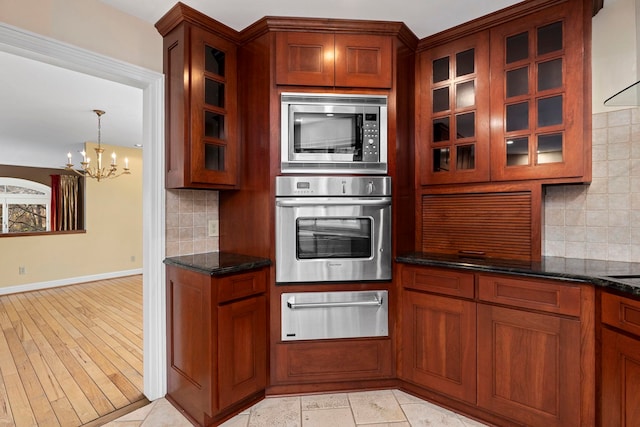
x=614, y=50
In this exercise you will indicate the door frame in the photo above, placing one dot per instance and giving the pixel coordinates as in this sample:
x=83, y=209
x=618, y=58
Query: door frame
x=34, y=46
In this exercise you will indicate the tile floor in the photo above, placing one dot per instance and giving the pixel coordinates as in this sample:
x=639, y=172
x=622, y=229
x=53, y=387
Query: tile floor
x=392, y=408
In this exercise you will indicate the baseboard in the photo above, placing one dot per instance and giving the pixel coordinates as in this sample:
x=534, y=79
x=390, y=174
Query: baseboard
x=69, y=281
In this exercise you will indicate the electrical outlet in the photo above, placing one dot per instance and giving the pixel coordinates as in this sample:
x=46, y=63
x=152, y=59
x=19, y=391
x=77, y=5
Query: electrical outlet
x=22, y=270
x=213, y=228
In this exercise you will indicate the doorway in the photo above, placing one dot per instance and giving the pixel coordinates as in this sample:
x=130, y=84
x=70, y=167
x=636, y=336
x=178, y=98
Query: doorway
x=40, y=48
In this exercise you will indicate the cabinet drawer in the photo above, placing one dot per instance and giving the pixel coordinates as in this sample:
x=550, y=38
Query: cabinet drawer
x=441, y=281
x=620, y=312
x=544, y=295
x=241, y=285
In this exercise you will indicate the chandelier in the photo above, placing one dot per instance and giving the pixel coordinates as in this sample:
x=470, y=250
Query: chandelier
x=98, y=172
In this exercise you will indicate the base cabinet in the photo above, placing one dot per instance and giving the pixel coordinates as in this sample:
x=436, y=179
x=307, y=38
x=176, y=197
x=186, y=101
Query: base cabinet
x=515, y=351
x=620, y=394
x=216, y=342
x=527, y=366
x=439, y=339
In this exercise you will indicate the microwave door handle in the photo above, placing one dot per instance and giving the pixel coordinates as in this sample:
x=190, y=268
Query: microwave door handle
x=359, y=148
x=385, y=201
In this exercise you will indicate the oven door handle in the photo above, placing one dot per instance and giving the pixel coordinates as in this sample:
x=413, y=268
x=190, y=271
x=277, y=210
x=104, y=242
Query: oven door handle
x=375, y=303
x=382, y=201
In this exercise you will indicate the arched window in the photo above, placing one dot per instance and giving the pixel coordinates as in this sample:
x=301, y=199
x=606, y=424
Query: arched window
x=24, y=206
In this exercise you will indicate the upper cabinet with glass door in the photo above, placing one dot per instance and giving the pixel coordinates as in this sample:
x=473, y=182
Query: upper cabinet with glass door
x=508, y=101
x=200, y=66
x=454, y=103
x=540, y=105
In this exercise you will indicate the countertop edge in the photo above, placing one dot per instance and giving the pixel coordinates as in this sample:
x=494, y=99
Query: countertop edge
x=599, y=280
x=200, y=264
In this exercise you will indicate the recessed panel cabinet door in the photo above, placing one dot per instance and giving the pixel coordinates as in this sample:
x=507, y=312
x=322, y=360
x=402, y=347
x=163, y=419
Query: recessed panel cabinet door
x=242, y=350
x=304, y=59
x=620, y=380
x=438, y=341
x=529, y=366
x=363, y=61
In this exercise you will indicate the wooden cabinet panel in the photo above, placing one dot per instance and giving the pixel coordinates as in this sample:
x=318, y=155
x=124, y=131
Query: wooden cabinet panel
x=620, y=380
x=242, y=285
x=327, y=59
x=326, y=361
x=528, y=366
x=438, y=280
x=438, y=342
x=622, y=313
x=305, y=59
x=190, y=350
x=242, y=350
x=537, y=294
x=363, y=61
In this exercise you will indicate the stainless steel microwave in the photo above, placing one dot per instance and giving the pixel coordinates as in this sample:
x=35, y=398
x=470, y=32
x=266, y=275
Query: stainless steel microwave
x=333, y=133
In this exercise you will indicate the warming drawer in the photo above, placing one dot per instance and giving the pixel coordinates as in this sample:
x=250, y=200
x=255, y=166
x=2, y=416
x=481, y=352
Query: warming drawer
x=329, y=315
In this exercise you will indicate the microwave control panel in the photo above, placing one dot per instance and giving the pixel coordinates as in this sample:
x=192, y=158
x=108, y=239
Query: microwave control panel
x=371, y=138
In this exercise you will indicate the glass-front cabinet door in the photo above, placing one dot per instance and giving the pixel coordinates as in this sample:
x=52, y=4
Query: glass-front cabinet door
x=214, y=109
x=454, y=112
x=537, y=102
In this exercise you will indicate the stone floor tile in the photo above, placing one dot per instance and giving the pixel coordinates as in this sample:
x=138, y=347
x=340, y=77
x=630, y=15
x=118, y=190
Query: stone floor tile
x=164, y=414
x=427, y=415
x=333, y=417
x=325, y=401
x=281, y=412
x=375, y=407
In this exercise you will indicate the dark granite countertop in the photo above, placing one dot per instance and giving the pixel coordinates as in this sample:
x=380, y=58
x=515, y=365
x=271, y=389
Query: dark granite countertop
x=218, y=263
x=607, y=274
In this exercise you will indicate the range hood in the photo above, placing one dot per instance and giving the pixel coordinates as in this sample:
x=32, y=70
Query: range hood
x=627, y=97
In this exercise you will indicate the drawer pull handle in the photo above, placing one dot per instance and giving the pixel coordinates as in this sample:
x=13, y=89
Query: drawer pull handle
x=375, y=303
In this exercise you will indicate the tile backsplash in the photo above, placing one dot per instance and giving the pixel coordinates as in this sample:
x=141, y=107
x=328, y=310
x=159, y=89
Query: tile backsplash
x=601, y=220
x=188, y=215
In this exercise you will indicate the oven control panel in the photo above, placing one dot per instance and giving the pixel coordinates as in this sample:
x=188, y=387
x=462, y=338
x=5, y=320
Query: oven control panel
x=336, y=186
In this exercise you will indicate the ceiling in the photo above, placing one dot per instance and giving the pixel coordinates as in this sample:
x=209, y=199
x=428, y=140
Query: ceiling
x=423, y=17
x=47, y=111
x=41, y=119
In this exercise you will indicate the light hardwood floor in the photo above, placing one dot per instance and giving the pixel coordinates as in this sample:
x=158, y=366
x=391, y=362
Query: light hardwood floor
x=71, y=355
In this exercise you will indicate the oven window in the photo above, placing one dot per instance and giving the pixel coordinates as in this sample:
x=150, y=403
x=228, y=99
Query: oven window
x=326, y=133
x=334, y=238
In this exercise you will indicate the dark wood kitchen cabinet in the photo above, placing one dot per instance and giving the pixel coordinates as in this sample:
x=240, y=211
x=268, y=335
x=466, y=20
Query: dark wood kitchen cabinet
x=540, y=95
x=327, y=59
x=216, y=342
x=439, y=331
x=454, y=101
x=511, y=350
x=620, y=364
x=519, y=110
x=201, y=127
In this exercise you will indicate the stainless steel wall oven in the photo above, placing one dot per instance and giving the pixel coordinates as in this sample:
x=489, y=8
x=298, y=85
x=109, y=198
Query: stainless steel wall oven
x=333, y=228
